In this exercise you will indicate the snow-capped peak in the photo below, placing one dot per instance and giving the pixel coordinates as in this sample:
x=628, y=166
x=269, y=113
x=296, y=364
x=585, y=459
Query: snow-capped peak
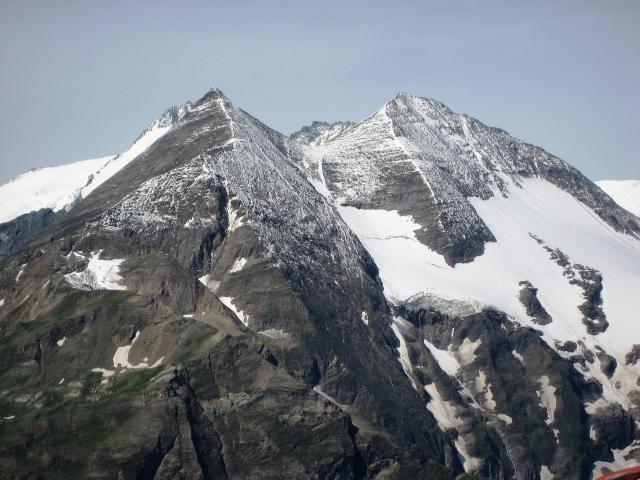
x=424, y=103
x=61, y=187
x=320, y=132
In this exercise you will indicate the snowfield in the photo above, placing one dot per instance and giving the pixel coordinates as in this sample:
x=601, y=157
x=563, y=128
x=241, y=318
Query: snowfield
x=408, y=267
x=59, y=188
x=413, y=170
x=98, y=275
x=51, y=187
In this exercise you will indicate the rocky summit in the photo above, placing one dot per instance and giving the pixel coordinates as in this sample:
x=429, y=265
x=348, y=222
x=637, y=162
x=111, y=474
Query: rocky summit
x=412, y=296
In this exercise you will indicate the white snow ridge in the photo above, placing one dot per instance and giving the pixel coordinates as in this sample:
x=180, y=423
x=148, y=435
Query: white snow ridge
x=59, y=188
x=626, y=193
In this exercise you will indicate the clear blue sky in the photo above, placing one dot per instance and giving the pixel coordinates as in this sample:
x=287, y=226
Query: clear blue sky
x=81, y=79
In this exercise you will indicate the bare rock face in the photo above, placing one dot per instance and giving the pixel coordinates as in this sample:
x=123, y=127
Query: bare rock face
x=613, y=427
x=633, y=356
x=416, y=156
x=320, y=132
x=209, y=293
x=608, y=363
x=206, y=312
x=591, y=283
x=533, y=307
x=20, y=230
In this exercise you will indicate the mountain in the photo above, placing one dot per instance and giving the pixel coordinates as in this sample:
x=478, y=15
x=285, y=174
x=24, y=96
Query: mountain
x=59, y=188
x=31, y=201
x=625, y=192
x=320, y=132
x=415, y=295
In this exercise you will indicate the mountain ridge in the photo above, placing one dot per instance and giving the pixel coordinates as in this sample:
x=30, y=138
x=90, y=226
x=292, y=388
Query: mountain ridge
x=625, y=192
x=377, y=289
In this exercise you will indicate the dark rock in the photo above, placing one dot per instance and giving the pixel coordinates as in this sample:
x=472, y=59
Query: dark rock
x=633, y=356
x=568, y=346
x=608, y=363
x=533, y=307
x=19, y=231
x=245, y=294
x=615, y=428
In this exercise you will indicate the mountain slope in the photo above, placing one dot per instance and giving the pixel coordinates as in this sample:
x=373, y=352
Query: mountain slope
x=625, y=192
x=239, y=291
x=49, y=187
x=58, y=188
x=32, y=201
x=320, y=132
x=415, y=295
x=374, y=163
x=425, y=188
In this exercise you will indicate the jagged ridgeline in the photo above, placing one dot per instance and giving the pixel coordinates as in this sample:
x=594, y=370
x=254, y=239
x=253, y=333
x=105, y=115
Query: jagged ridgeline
x=415, y=295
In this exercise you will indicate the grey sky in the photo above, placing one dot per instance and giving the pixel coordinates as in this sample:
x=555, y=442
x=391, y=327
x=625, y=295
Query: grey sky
x=82, y=79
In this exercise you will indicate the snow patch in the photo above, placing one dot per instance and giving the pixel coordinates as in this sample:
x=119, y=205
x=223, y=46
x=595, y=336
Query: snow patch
x=614, y=390
x=106, y=374
x=483, y=388
x=445, y=358
x=20, y=272
x=208, y=282
x=364, y=317
x=467, y=351
x=505, y=418
x=121, y=357
x=489, y=401
x=193, y=223
x=238, y=265
x=390, y=239
x=545, y=473
x=469, y=463
x=518, y=356
x=547, y=397
x=330, y=399
x=228, y=302
x=273, y=333
x=98, y=275
x=235, y=220
x=443, y=411
x=316, y=178
x=404, y=359
x=61, y=341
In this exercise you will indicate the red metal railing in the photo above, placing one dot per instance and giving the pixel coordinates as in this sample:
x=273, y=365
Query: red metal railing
x=632, y=473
